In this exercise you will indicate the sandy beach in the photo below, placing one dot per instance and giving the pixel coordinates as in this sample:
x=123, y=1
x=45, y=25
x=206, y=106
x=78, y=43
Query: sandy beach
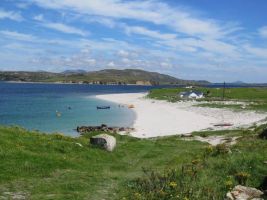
x=160, y=118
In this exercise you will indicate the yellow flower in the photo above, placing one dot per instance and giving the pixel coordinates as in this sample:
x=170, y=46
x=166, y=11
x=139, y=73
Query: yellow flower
x=137, y=195
x=229, y=184
x=209, y=149
x=173, y=184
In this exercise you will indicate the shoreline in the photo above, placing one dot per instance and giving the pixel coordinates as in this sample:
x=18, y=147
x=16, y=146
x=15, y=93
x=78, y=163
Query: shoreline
x=156, y=118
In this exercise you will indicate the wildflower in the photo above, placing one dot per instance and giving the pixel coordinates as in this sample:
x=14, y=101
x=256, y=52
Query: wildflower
x=228, y=184
x=173, y=184
x=242, y=177
x=137, y=195
x=209, y=149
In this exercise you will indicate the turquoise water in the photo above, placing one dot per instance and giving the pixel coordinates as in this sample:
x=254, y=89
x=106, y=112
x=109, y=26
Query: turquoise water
x=35, y=106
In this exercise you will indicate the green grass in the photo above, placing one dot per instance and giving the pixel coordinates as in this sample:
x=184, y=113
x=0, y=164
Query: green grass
x=255, y=97
x=209, y=176
x=244, y=94
x=259, y=106
x=53, y=166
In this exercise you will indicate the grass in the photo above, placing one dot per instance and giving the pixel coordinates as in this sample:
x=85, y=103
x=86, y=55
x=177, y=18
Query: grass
x=255, y=97
x=209, y=176
x=41, y=166
x=55, y=167
x=244, y=94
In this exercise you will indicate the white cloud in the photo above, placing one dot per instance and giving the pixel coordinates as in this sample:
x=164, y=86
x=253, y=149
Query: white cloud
x=149, y=33
x=156, y=12
x=263, y=31
x=10, y=15
x=256, y=51
x=60, y=26
x=39, y=17
x=111, y=64
x=101, y=20
x=22, y=5
x=65, y=28
x=123, y=53
x=17, y=36
x=166, y=65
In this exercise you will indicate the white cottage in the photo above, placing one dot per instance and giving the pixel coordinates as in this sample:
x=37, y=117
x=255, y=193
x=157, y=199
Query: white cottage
x=191, y=95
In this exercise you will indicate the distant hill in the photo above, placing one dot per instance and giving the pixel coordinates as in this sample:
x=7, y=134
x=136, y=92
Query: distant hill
x=108, y=76
x=78, y=71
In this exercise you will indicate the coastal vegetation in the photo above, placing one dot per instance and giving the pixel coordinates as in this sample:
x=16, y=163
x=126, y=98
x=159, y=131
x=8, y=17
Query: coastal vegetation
x=233, y=98
x=108, y=76
x=52, y=166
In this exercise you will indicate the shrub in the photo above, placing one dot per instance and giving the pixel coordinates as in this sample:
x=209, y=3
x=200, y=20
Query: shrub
x=242, y=177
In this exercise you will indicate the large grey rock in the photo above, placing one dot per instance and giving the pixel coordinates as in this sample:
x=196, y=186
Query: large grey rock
x=244, y=193
x=105, y=141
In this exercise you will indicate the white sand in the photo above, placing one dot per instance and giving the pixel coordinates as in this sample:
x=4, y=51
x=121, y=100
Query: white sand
x=160, y=118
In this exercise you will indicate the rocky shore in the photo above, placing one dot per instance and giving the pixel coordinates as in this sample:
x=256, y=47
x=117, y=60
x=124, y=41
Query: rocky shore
x=104, y=128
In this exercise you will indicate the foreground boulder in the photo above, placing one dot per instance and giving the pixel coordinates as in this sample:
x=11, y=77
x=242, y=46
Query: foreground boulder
x=104, y=141
x=244, y=193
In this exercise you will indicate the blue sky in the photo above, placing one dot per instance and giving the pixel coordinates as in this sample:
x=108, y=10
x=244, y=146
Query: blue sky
x=211, y=40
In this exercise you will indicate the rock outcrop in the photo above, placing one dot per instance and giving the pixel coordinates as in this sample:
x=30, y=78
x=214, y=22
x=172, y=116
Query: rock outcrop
x=104, y=141
x=104, y=128
x=244, y=193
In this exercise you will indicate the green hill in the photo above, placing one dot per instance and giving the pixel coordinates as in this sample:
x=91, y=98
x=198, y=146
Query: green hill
x=108, y=76
x=52, y=166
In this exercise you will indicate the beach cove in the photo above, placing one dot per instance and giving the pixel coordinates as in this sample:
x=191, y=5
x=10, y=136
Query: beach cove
x=156, y=118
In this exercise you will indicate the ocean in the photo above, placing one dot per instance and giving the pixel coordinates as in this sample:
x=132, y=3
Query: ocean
x=61, y=108
x=52, y=108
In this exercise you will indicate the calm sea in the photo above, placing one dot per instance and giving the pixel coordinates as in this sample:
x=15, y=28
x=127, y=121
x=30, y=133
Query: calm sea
x=35, y=106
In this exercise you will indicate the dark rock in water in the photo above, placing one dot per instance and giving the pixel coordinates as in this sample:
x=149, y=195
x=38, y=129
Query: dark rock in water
x=104, y=141
x=263, y=134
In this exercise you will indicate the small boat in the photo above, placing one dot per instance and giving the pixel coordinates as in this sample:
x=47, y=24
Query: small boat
x=102, y=107
x=58, y=114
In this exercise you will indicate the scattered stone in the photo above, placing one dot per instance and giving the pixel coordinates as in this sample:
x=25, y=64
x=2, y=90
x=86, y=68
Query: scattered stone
x=186, y=135
x=15, y=195
x=216, y=140
x=105, y=141
x=244, y=193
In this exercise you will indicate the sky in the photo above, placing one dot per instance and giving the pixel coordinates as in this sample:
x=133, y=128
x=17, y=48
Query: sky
x=214, y=40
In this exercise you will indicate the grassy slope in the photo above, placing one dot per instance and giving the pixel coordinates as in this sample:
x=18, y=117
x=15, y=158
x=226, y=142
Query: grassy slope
x=54, y=167
x=256, y=95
